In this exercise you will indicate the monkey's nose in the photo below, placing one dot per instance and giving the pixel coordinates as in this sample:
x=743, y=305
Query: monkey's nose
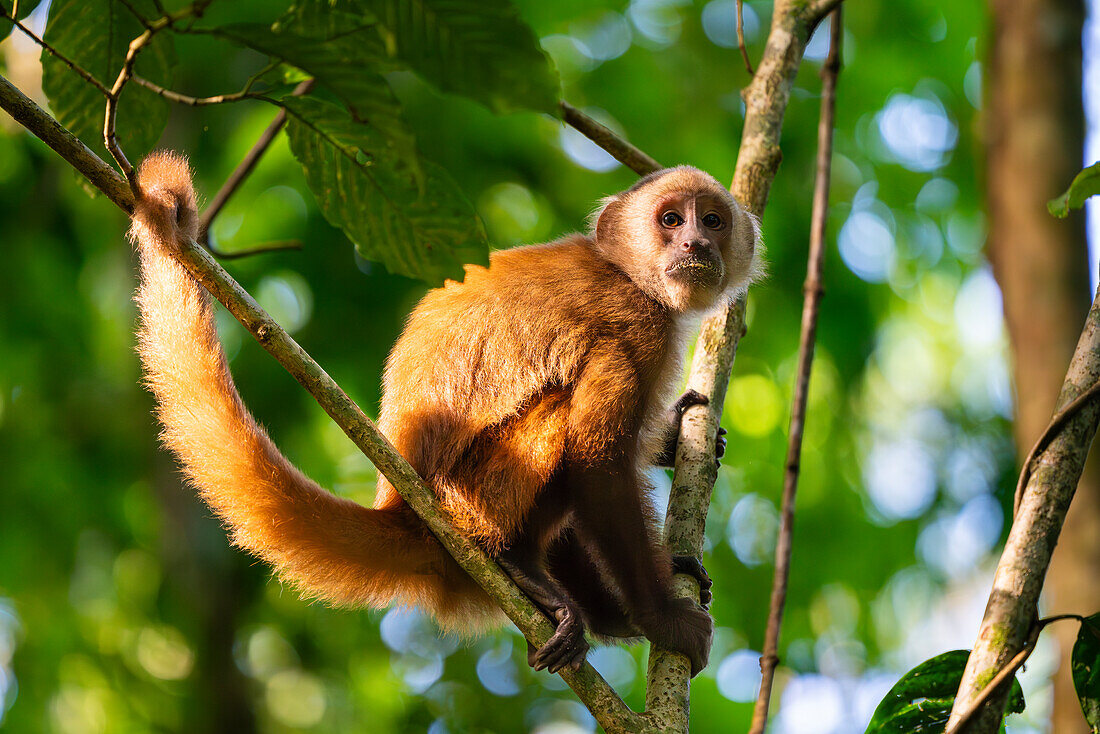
x=694, y=247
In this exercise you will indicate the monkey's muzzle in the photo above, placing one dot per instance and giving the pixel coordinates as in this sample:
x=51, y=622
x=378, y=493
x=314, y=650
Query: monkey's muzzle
x=700, y=268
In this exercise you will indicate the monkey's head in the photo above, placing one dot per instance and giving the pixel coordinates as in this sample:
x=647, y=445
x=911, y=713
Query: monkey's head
x=682, y=238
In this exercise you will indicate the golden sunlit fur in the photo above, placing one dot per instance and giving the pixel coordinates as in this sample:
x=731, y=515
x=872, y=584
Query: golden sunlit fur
x=514, y=394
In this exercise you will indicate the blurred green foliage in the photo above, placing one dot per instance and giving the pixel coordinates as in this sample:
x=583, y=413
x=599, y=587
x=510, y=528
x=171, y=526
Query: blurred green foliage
x=122, y=607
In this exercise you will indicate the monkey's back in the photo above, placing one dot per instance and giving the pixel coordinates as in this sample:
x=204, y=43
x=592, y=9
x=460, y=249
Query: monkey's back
x=480, y=381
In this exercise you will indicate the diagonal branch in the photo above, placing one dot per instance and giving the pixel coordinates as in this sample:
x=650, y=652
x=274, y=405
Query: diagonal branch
x=590, y=687
x=80, y=71
x=246, y=166
x=1052, y=481
x=603, y=136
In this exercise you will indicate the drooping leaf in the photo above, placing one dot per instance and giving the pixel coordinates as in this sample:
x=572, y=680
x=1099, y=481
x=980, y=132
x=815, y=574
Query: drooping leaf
x=921, y=701
x=422, y=227
x=481, y=49
x=95, y=35
x=1086, y=670
x=1084, y=184
x=344, y=57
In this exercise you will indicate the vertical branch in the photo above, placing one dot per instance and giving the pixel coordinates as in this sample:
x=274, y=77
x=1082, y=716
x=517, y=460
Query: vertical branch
x=766, y=98
x=741, y=37
x=812, y=293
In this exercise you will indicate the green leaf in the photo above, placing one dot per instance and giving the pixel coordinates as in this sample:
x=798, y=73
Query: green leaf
x=1086, y=670
x=1085, y=184
x=481, y=49
x=95, y=35
x=25, y=9
x=342, y=56
x=921, y=701
x=422, y=227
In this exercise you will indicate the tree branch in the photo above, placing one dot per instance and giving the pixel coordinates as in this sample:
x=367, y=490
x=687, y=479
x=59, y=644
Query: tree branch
x=741, y=37
x=1049, y=489
x=590, y=687
x=1007, y=672
x=812, y=293
x=766, y=100
x=83, y=73
x=65, y=144
x=246, y=166
x=622, y=151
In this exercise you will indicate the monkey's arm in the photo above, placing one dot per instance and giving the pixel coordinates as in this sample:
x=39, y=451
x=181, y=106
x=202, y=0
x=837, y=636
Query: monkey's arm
x=673, y=417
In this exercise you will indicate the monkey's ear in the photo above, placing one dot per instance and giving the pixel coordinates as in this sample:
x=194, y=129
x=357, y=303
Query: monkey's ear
x=607, y=217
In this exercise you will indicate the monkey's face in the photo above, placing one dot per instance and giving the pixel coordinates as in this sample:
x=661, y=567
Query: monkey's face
x=693, y=229
x=682, y=238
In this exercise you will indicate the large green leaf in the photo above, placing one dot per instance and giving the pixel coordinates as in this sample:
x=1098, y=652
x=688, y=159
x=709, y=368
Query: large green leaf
x=478, y=48
x=422, y=227
x=1084, y=184
x=344, y=58
x=95, y=34
x=25, y=9
x=921, y=701
x=1086, y=670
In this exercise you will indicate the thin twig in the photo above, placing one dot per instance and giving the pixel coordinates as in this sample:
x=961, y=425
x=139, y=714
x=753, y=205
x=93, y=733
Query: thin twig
x=171, y=96
x=622, y=151
x=85, y=75
x=134, y=12
x=1056, y=424
x=15, y=8
x=110, y=139
x=812, y=293
x=741, y=38
x=245, y=93
x=1008, y=670
x=244, y=168
x=278, y=246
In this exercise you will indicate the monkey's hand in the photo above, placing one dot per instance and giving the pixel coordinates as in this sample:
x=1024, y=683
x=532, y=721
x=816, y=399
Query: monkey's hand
x=692, y=566
x=667, y=457
x=682, y=626
x=566, y=648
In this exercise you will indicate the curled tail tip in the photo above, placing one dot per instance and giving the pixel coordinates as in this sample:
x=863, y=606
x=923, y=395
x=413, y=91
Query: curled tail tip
x=168, y=204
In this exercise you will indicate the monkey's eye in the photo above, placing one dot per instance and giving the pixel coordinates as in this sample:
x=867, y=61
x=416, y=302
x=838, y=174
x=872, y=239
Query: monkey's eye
x=671, y=219
x=712, y=220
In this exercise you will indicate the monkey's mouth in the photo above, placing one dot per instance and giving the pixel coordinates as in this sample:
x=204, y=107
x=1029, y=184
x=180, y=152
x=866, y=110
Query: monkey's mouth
x=700, y=270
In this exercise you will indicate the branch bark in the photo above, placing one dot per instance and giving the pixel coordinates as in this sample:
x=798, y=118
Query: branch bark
x=590, y=687
x=812, y=293
x=766, y=99
x=1011, y=610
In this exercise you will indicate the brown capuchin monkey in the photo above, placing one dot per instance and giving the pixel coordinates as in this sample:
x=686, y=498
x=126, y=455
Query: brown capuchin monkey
x=532, y=397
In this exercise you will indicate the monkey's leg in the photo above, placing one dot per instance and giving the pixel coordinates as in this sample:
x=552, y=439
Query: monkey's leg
x=571, y=563
x=673, y=418
x=610, y=516
x=567, y=647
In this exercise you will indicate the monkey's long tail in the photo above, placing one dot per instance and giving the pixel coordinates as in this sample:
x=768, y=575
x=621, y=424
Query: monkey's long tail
x=327, y=546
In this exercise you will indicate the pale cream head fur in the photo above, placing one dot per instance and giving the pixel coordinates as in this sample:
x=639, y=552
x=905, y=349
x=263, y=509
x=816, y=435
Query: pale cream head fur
x=628, y=232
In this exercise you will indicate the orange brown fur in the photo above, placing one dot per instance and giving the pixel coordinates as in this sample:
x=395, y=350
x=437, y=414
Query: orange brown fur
x=529, y=397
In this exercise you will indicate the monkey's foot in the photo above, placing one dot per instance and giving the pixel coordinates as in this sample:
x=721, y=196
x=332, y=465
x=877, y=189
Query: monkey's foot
x=565, y=649
x=682, y=626
x=693, y=567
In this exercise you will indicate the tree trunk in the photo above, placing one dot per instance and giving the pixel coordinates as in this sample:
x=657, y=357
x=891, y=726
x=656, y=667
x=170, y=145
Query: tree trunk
x=1035, y=126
